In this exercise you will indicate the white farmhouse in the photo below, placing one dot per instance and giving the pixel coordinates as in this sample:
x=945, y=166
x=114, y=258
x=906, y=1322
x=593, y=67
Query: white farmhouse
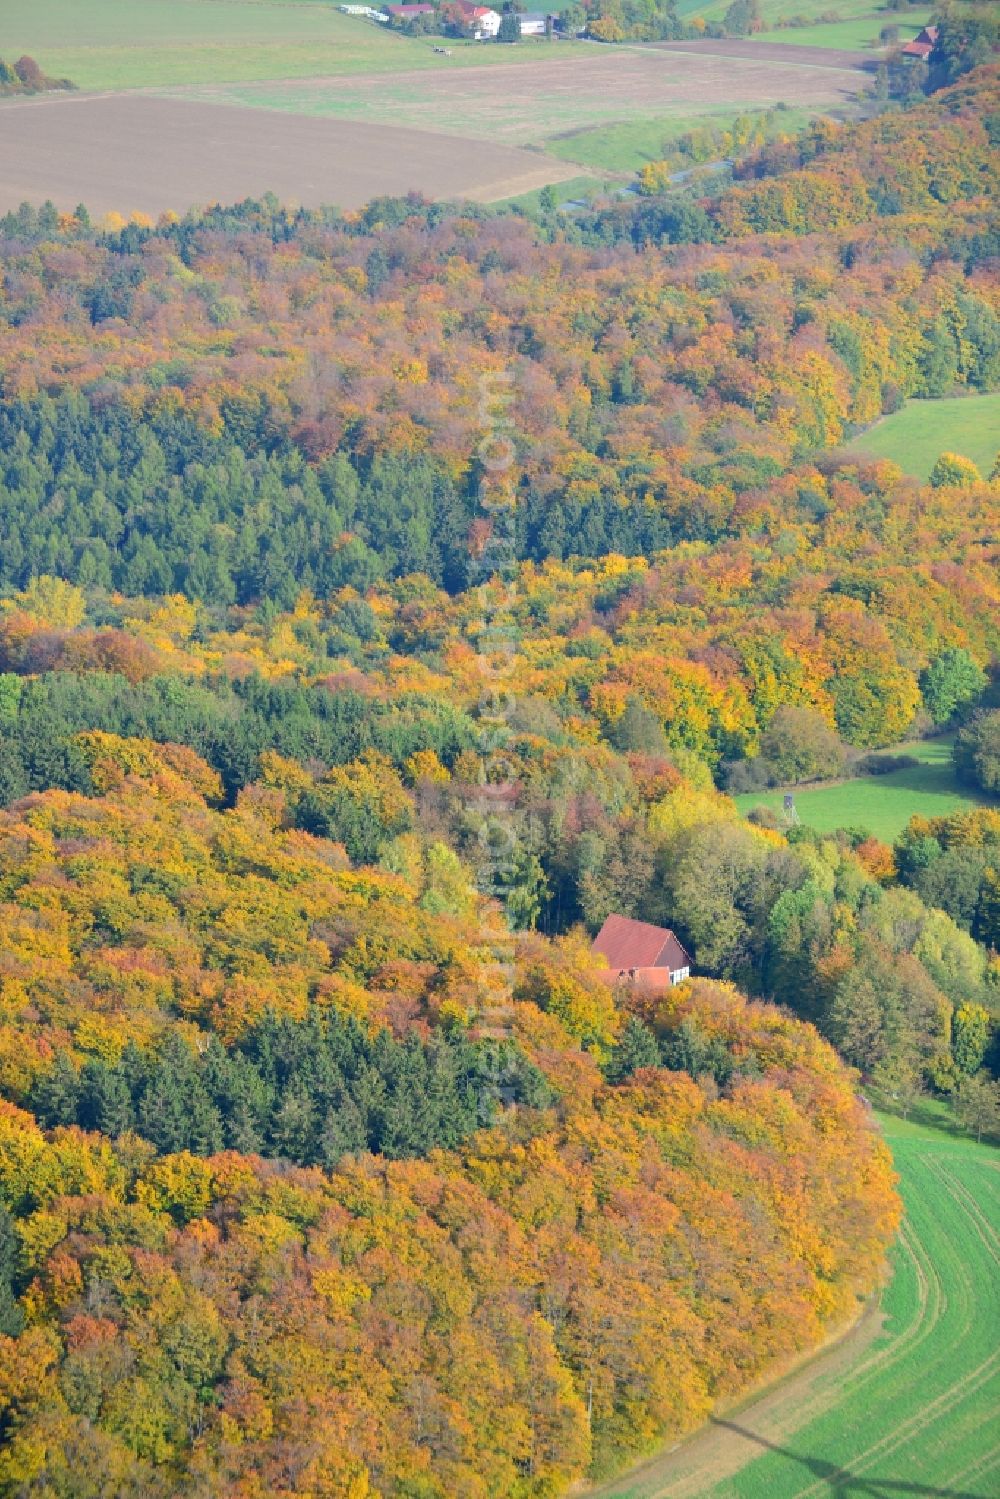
x=481, y=21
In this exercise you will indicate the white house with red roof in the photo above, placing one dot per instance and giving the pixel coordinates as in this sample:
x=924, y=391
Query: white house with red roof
x=479, y=19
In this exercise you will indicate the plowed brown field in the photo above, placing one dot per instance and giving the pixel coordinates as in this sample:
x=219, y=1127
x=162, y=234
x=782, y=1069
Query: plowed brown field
x=131, y=152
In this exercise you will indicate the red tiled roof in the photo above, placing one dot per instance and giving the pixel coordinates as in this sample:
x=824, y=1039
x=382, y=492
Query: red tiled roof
x=922, y=44
x=625, y=943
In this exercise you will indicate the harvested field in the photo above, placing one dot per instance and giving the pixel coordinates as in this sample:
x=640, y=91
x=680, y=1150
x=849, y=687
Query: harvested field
x=132, y=152
x=572, y=91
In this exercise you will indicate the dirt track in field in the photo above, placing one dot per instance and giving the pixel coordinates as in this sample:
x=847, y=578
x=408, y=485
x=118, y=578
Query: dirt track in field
x=135, y=152
x=692, y=1468
x=775, y=52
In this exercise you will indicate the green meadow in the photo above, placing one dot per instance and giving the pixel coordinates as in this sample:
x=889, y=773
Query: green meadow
x=917, y=434
x=629, y=144
x=883, y=805
x=123, y=44
x=774, y=11
x=857, y=34
x=572, y=190
x=856, y=29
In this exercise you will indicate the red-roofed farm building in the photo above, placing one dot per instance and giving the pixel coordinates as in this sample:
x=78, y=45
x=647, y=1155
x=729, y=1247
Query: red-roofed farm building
x=637, y=952
x=922, y=45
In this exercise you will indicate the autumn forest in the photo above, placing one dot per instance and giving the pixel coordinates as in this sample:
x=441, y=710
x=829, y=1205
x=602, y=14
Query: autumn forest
x=330, y=1162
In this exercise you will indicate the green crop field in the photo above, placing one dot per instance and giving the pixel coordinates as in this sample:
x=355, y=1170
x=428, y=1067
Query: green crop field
x=911, y=1409
x=304, y=57
x=915, y=436
x=918, y=1410
x=121, y=44
x=881, y=804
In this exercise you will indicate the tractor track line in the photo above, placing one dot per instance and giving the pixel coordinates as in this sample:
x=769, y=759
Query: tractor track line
x=944, y=1403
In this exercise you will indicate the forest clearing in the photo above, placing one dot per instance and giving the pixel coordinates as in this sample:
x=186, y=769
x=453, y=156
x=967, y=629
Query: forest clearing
x=905, y=1403
x=882, y=804
x=917, y=434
